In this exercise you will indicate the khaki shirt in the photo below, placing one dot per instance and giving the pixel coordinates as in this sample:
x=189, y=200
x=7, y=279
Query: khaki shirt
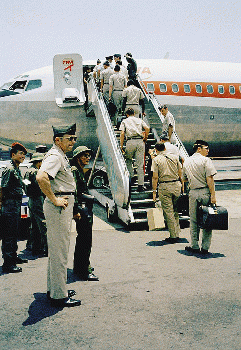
x=118, y=81
x=168, y=120
x=133, y=127
x=105, y=75
x=133, y=94
x=196, y=169
x=166, y=166
x=56, y=165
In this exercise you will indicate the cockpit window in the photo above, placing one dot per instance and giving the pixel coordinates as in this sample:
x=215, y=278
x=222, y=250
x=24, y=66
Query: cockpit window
x=6, y=86
x=34, y=84
x=18, y=85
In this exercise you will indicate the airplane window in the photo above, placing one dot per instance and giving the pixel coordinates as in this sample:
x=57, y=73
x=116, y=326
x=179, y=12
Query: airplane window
x=199, y=88
x=34, y=84
x=175, y=88
x=163, y=87
x=187, y=88
x=150, y=87
x=231, y=89
x=221, y=89
x=210, y=89
x=18, y=85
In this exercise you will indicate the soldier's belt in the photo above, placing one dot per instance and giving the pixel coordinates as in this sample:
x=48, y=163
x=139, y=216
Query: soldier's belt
x=64, y=193
x=168, y=181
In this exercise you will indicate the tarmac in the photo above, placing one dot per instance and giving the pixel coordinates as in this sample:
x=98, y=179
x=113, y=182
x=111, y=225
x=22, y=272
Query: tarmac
x=151, y=295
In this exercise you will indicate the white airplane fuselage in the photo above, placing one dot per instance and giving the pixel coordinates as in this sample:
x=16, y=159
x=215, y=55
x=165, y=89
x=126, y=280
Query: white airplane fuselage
x=204, y=98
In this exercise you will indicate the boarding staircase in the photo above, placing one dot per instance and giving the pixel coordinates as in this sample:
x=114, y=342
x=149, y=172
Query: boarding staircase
x=120, y=199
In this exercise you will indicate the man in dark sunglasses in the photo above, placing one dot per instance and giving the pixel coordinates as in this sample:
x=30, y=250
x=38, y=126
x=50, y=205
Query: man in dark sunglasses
x=56, y=181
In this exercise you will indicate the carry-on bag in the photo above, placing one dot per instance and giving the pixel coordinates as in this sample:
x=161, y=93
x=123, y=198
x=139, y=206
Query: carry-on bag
x=213, y=217
x=155, y=219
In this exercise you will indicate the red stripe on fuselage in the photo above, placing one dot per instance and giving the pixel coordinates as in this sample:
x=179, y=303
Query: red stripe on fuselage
x=193, y=93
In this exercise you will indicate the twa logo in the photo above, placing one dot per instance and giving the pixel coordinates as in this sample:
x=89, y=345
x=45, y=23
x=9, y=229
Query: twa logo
x=68, y=63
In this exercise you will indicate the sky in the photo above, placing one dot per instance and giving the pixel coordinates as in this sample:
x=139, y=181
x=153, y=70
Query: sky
x=33, y=31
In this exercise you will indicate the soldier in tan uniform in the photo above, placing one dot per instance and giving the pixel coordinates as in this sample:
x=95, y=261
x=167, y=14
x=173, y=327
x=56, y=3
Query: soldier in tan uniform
x=56, y=181
x=104, y=80
x=132, y=98
x=117, y=84
x=167, y=172
x=199, y=170
x=132, y=128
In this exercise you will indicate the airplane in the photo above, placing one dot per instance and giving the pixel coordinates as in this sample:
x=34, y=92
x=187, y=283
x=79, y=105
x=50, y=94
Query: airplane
x=204, y=98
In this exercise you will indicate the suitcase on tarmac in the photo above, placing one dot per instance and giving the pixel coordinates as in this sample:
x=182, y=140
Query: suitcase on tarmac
x=213, y=217
x=155, y=219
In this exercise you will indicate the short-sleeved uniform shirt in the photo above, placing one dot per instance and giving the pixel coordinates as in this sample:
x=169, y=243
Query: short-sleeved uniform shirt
x=105, y=75
x=118, y=81
x=133, y=127
x=196, y=169
x=166, y=166
x=12, y=182
x=168, y=120
x=170, y=148
x=133, y=94
x=56, y=165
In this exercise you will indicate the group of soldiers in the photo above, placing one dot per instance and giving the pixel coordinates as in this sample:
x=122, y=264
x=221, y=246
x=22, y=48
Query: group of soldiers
x=119, y=85
x=57, y=193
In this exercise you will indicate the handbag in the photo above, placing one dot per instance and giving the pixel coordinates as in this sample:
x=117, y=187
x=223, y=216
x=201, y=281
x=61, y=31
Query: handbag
x=213, y=217
x=183, y=204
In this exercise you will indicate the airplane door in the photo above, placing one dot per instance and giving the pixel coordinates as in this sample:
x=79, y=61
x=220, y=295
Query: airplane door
x=68, y=80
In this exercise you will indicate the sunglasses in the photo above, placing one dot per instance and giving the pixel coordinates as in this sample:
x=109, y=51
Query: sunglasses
x=87, y=155
x=71, y=138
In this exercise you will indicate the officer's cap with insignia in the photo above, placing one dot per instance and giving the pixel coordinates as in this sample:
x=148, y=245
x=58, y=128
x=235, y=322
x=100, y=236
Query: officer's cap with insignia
x=63, y=130
x=117, y=55
x=81, y=149
x=109, y=57
x=37, y=157
x=106, y=63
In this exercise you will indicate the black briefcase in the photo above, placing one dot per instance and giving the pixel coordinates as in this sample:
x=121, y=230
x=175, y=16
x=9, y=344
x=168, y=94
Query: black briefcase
x=213, y=217
x=183, y=204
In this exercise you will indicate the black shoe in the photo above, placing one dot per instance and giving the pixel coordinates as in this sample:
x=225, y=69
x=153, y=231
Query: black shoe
x=204, y=251
x=71, y=293
x=66, y=302
x=141, y=188
x=11, y=269
x=192, y=250
x=89, y=277
x=19, y=260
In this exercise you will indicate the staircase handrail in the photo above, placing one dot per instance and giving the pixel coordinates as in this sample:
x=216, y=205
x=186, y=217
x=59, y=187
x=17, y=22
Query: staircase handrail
x=113, y=158
x=152, y=97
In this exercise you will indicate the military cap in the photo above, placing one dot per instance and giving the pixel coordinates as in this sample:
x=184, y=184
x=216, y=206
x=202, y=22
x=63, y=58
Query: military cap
x=106, y=63
x=98, y=61
x=37, y=157
x=18, y=147
x=62, y=130
x=109, y=57
x=164, y=136
x=117, y=55
x=81, y=149
x=128, y=54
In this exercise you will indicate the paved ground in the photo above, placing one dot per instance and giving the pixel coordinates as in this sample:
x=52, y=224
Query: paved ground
x=150, y=295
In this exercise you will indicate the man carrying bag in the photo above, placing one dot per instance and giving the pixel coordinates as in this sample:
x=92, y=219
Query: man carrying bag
x=199, y=170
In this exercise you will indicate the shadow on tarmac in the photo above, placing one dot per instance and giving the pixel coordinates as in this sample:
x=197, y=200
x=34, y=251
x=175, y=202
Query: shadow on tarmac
x=201, y=256
x=40, y=309
x=162, y=243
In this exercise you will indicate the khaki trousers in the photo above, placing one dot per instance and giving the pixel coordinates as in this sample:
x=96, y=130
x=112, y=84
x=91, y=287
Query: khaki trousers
x=201, y=195
x=169, y=193
x=135, y=148
x=58, y=222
